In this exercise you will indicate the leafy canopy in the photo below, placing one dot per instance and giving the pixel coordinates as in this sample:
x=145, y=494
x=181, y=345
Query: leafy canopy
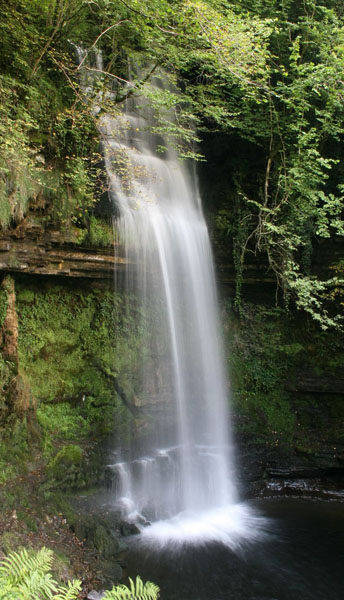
x=264, y=72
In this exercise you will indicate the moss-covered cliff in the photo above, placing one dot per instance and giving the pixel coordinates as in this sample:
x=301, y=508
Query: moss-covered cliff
x=64, y=352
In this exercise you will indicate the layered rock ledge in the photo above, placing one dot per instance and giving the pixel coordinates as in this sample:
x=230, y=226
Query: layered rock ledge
x=34, y=250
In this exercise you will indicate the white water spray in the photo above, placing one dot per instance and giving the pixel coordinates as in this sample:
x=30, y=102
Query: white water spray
x=183, y=480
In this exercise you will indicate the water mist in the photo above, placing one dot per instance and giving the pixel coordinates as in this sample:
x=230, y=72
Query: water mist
x=182, y=479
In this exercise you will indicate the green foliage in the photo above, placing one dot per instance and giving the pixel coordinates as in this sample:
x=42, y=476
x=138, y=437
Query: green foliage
x=46, y=129
x=68, y=340
x=47, y=111
x=68, y=456
x=270, y=350
x=62, y=420
x=137, y=590
x=26, y=575
x=18, y=171
x=266, y=74
x=260, y=356
x=14, y=448
x=3, y=305
x=99, y=234
x=296, y=124
x=64, y=469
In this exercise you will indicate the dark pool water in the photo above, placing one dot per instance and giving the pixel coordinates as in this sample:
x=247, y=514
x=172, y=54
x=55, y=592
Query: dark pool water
x=301, y=557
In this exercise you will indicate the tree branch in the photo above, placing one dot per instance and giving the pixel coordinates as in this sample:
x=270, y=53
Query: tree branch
x=101, y=35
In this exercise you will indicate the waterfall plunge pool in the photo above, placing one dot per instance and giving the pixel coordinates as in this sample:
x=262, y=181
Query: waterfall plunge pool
x=295, y=551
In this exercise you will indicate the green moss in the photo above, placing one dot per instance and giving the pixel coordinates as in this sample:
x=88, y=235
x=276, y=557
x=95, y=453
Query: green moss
x=63, y=331
x=268, y=349
x=69, y=456
x=10, y=541
x=29, y=521
x=61, y=567
x=59, y=502
x=3, y=305
x=259, y=361
x=26, y=296
x=64, y=470
x=64, y=334
x=7, y=470
x=63, y=421
x=69, y=338
x=14, y=449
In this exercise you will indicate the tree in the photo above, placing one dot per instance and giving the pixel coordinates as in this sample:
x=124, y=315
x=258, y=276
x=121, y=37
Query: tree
x=268, y=73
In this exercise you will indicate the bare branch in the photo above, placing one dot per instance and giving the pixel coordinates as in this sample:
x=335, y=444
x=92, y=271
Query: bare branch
x=142, y=14
x=101, y=35
x=106, y=73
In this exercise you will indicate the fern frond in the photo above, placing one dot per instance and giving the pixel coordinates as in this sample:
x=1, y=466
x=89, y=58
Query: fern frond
x=120, y=592
x=42, y=561
x=18, y=565
x=14, y=566
x=37, y=586
x=70, y=592
x=6, y=592
x=26, y=576
x=137, y=591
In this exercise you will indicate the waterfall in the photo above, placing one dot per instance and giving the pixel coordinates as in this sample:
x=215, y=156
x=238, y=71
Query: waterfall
x=181, y=478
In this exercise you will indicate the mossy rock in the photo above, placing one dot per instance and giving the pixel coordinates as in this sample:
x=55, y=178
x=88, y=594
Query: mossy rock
x=10, y=541
x=97, y=533
x=66, y=467
x=61, y=567
x=104, y=542
x=111, y=572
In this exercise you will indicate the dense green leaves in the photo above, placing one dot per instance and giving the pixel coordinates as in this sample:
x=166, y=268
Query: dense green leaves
x=297, y=197
x=266, y=72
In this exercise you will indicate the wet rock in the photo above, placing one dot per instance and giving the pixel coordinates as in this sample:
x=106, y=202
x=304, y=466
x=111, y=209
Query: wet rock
x=105, y=542
x=127, y=528
x=30, y=248
x=310, y=488
x=111, y=572
x=100, y=535
x=93, y=595
x=64, y=470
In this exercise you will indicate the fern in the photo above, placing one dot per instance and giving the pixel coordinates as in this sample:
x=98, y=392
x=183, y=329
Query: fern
x=137, y=591
x=69, y=593
x=26, y=576
x=6, y=592
x=19, y=566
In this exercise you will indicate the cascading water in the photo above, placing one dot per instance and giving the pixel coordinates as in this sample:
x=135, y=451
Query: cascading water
x=182, y=478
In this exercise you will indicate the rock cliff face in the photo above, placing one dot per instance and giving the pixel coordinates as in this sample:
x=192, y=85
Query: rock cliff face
x=9, y=331
x=291, y=371
x=32, y=249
